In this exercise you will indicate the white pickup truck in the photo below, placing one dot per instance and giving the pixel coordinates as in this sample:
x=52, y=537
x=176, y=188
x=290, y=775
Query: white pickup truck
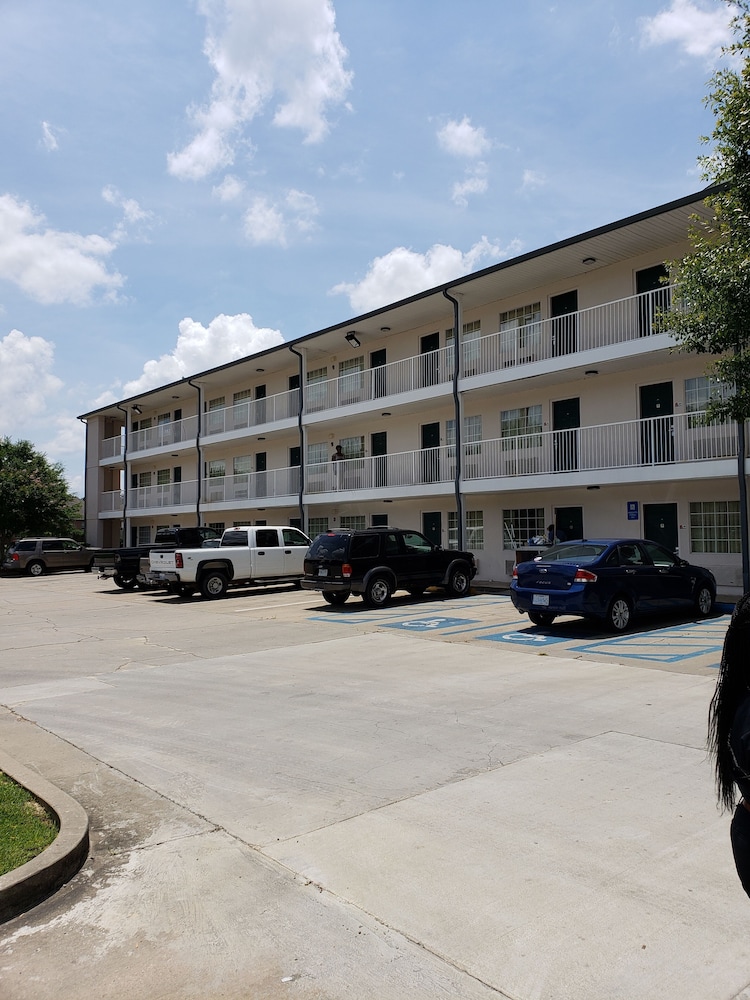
x=247, y=556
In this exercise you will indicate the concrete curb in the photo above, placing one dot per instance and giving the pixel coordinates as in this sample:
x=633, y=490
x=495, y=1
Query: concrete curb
x=31, y=883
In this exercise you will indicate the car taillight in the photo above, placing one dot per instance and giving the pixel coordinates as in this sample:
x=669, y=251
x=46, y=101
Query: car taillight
x=585, y=576
x=515, y=572
x=15, y=557
x=346, y=570
x=178, y=560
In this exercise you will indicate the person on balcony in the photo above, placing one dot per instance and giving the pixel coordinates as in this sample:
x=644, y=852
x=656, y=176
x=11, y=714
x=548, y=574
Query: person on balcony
x=729, y=734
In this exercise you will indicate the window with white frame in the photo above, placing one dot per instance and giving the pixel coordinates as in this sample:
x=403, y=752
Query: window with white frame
x=215, y=415
x=144, y=534
x=242, y=465
x=715, y=526
x=357, y=522
x=317, y=454
x=353, y=447
x=351, y=379
x=700, y=391
x=242, y=395
x=215, y=468
x=522, y=422
x=163, y=477
x=317, y=526
x=472, y=437
x=144, y=478
x=474, y=529
x=316, y=394
x=520, y=524
x=216, y=525
x=470, y=334
x=521, y=332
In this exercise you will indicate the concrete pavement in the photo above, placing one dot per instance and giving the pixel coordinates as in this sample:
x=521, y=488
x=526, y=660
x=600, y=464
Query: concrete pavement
x=289, y=801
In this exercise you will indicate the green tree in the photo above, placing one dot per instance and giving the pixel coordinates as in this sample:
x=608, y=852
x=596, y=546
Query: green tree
x=711, y=313
x=34, y=496
x=712, y=300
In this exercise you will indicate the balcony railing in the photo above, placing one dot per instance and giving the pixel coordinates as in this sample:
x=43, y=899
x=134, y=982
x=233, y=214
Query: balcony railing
x=252, y=486
x=599, y=326
x=163, y=435
x=111, y=502
x=252, y=413
x=112, y=447
x=165, y=495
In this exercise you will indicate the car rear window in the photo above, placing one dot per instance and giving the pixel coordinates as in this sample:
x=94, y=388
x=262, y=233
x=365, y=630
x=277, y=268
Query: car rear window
x=364, y=546
x=578, y=554
x=234, y=538
x=24, y=546
x=329, y=546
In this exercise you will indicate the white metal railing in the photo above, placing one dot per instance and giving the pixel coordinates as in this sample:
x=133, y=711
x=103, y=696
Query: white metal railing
x=252, y=485
x=598, y=326
x=251, y=413
x=112, y=447
x=167, y=434
x=164, y=495
x=650, y=441
x=420, y=372
x=111, y=501
x=408, y=468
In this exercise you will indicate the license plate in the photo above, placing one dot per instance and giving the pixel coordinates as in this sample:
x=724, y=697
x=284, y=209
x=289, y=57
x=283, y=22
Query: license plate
x=540, y=600
x=322, y=572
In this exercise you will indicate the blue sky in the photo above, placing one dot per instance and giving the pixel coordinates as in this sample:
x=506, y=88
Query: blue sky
x=185, y=182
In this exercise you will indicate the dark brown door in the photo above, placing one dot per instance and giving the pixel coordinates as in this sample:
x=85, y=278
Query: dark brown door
x=564, y=313
x=657, y=424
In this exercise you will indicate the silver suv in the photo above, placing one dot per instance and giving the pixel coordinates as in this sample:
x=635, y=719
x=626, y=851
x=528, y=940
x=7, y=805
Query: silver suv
x=37, y=555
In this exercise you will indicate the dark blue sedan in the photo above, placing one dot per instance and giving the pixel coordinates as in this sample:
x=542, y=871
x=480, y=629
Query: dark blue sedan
x=609, y=580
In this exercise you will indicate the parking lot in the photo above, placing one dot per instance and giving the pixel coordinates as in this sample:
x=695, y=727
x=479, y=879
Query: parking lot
x=437, y=799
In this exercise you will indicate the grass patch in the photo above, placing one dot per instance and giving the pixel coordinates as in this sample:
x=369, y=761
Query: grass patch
x=26, y=827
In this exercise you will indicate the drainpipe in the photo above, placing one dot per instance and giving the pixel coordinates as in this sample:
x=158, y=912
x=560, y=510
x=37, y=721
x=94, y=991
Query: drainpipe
x=198, y=449
x=742, y=483
x=458, y=417
x=85, y=481
x=302, y=456
x=125, y=484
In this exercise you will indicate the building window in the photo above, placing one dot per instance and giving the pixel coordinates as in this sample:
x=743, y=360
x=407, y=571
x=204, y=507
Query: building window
x=144, y=478
x=523, y=421
x=715, y=526
x=144, y=534
x=163, y=477
x=316, y=396
x=474, y=530
x=216, y=525
x=317, y=454
x=356, y=522
x=351, y=379
x=216, y=468
x=521, y=333
x=520, y=524
x=700, y=391
x=317, y=526
x=353, y=447
x=242, y=465
x=242, y=395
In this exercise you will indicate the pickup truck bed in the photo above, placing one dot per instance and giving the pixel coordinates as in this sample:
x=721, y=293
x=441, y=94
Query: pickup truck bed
x=124, y=565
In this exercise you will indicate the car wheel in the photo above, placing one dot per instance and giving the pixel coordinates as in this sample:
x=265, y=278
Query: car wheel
x=542, y=618
x=704, y=601
x=334, y=598
x=35, y=568
x=378, y=592
x=213, y=585
x=620, y=614
x=459, y=582
x=124, y=582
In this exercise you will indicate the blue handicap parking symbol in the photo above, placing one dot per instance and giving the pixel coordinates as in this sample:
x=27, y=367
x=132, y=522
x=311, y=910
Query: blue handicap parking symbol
x=429, y=624
x=524, y=637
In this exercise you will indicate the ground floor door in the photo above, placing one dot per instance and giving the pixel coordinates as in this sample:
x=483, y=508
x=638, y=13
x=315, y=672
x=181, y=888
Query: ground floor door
x=660, y=524
x=569, y=523
x=432, y=526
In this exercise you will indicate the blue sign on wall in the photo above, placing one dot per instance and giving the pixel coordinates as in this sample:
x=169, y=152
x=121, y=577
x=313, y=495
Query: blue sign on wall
x=632, y=510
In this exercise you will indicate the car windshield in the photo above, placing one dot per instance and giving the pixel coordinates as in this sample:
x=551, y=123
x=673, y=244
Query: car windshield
x=579, y=553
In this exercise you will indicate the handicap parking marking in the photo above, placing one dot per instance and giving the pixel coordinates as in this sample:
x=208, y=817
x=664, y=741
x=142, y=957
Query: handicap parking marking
x=525, y=637
x=430, y=624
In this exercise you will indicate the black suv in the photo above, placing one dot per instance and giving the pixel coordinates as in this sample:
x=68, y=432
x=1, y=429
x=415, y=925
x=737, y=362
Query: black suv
x=375, y=562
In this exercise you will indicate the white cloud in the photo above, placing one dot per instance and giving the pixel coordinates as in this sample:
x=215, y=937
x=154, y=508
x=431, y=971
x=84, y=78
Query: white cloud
x=268, y=223
x=198, y=348
x=135, y=220
x=52, y=266
x=26, y=380
x=699, y=30
x=533, y=179
x=474, y=183
x=261, y=49
x=49, y=139
x=230, y=189
x=463, y=139
x=403, y=272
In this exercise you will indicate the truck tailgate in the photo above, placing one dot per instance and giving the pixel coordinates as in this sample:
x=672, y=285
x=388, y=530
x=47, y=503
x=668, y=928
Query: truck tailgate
x=162, y=561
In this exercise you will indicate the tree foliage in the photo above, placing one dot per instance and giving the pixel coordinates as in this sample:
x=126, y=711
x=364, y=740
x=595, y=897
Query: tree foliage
x=34, y=496
x=712, y=300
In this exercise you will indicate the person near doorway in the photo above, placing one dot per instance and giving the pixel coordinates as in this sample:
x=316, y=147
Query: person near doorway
x=337, y=456
x=729, y=734
x=554, y=535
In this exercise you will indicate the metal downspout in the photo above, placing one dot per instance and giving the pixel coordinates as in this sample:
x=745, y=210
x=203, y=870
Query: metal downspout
x=302, y=456
x=85, y=480
x=198, y=449
x=458, y=420
x=126, y=478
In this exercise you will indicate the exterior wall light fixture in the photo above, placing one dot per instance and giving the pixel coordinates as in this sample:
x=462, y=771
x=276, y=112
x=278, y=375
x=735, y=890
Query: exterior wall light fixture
x=352, y=339
x=136, y=409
